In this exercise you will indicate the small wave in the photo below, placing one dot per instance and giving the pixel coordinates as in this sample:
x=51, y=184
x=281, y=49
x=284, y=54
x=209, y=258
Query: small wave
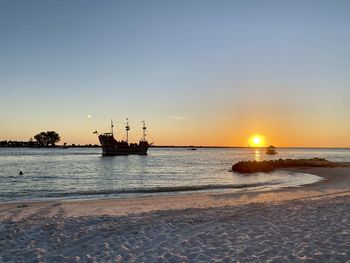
x=165, y=189
x=29, y=194
x=43, y=177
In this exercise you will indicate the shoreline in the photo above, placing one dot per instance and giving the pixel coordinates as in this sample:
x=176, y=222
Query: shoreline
x=300, y=224
x=336, y=181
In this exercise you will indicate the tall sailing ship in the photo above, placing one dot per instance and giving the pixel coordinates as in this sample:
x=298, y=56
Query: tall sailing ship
x=112, y=147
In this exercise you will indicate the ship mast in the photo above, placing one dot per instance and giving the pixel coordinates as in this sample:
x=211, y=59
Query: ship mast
x=144, y=131
x=127, y=128
x=112, y=127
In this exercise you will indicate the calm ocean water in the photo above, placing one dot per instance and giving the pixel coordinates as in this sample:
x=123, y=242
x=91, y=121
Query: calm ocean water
x=83, y=173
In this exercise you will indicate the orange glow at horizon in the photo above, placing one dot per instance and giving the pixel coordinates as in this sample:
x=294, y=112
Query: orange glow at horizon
x=166, y=131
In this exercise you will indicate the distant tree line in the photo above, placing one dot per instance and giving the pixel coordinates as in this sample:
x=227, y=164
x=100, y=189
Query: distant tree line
x=18, y=144
x=42, y=139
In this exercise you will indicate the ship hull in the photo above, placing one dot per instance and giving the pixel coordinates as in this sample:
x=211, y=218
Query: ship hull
x=113, y=151
x=112, y=147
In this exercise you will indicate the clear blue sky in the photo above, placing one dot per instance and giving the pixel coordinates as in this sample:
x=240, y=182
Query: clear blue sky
x=200, y=72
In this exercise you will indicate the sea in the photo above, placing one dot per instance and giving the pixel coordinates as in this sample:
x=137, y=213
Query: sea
x=83, y=173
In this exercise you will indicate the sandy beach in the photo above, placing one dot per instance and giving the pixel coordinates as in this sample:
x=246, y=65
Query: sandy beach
x=304, y=224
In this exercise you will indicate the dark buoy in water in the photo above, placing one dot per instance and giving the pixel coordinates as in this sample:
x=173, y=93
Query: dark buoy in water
x=20, y=173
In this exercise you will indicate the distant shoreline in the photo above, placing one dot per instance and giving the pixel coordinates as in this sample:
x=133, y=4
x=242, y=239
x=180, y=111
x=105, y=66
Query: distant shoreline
x=170, y=146
x=51, y=147
x=242, y=147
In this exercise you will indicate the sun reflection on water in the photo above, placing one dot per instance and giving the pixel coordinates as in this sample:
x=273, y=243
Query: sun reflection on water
x=257, y=155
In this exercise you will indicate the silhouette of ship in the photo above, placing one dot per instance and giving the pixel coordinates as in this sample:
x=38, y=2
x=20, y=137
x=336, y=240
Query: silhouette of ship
x=112, y=147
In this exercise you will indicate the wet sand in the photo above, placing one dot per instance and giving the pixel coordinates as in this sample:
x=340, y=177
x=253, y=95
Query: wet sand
x=305, y=224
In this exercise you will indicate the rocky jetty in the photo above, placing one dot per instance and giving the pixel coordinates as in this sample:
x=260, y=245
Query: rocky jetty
x=268, y=166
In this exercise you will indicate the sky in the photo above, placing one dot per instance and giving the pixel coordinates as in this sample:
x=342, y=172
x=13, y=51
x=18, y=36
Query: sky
x=198, y=72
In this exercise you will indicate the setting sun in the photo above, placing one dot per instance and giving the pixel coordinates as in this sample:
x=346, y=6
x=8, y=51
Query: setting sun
x=257, y=141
